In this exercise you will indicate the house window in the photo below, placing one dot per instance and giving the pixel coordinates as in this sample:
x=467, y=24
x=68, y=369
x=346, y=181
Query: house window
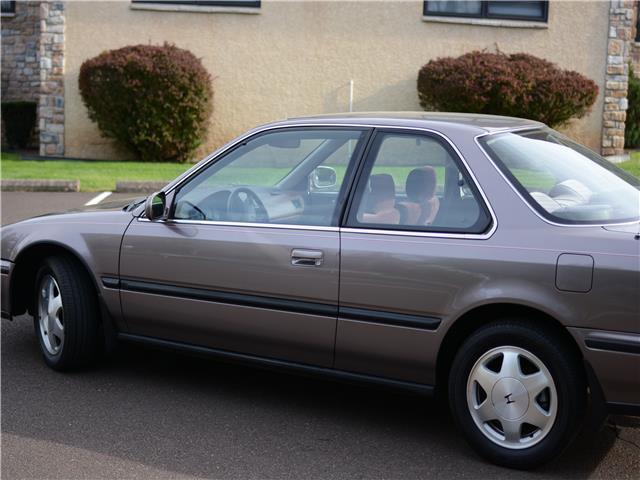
x=8, y=7
x=212, y=3
x=509, y=10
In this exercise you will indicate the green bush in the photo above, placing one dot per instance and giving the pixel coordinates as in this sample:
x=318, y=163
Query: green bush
x=632, y=123
x=19, y=120
x=518, y=85
x=153, y=100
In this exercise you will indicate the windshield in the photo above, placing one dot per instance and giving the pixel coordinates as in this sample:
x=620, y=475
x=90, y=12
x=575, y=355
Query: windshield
x=563, y=180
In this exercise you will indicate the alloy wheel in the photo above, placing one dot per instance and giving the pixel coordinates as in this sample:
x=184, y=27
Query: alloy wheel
x=50, y=315
x=512, y=397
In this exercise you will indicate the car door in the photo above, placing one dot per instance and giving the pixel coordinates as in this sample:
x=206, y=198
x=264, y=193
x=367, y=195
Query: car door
x=247, y=261
x=407, y=251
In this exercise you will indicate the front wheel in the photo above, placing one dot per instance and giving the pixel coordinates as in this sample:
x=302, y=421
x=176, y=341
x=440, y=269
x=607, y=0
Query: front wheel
x=517, y=393
x=66, y=315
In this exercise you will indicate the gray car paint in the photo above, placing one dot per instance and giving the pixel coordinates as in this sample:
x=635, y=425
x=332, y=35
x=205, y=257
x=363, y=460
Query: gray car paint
x=403, y=272
x=241, y=259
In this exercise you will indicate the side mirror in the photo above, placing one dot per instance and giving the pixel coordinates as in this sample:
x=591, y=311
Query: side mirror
x=155, y=205
x=324, y=177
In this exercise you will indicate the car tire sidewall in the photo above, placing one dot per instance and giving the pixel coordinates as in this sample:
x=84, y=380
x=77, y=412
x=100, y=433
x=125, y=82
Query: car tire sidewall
x=83, y=338
x=569, y=402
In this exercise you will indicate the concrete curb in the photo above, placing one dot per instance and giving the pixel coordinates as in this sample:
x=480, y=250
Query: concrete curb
x=139, y=187
x=40, y=185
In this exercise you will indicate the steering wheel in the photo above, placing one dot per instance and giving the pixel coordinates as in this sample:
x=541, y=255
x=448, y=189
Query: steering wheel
x=195, y=209
x=244, y=205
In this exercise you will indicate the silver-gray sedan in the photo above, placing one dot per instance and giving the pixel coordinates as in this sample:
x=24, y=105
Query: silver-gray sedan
x=490, y=260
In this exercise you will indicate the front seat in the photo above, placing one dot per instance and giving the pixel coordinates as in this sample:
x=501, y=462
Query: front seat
x=380, y=201
x=422, y=205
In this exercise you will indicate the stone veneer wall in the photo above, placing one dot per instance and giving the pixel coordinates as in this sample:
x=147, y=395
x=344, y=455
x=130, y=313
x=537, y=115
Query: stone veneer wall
x=51, y=106
x=20, y=78
x=621, y=27
x=33, y=66
x=20, y=40
x=635, y=45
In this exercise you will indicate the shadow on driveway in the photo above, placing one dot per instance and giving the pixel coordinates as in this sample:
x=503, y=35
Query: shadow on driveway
x=146, y=413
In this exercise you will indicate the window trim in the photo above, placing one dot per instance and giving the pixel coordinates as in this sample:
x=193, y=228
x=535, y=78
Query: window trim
x=524, y=196
x=214, y=6
x=484, y=13
x=197, y=3
x=342, y=196
x=171, y=187
x=11, y=12
x=351, y=222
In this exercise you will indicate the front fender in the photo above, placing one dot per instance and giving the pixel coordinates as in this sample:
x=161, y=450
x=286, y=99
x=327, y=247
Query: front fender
x=93, y=238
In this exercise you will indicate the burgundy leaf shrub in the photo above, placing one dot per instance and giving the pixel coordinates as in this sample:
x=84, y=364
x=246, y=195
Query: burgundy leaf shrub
x=153, y=100
x=518, y=85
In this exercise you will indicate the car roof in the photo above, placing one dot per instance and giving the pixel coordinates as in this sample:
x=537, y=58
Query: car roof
x=439, y=121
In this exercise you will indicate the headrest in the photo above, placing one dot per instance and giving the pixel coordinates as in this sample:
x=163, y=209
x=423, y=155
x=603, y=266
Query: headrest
x=421, y=184
x=382, y=187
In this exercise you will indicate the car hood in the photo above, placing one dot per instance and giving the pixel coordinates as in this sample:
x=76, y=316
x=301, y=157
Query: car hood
x=126, y=204
x=95, y=226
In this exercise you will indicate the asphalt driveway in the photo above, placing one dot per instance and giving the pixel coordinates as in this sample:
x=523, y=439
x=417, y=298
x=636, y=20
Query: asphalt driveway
x=149, y=414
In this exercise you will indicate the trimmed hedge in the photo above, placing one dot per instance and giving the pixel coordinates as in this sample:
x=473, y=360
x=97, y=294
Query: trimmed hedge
x=518, y=85
x=632, y=123
x=153, y=100
x=19, y=120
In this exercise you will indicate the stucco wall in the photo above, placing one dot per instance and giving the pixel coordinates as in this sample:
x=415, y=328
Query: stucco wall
x=296, y=58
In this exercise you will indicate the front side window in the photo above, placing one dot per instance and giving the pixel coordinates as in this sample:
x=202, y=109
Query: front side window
x=510, y=10
x=563, y=180
x=414, y=182
x=290, y=176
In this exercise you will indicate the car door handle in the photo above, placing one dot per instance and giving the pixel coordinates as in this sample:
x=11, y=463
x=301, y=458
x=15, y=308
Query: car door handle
x=306, y=258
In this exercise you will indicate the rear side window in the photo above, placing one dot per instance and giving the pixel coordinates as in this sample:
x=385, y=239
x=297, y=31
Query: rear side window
x=415, y=182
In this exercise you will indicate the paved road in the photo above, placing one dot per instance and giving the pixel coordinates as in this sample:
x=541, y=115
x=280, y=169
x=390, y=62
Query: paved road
x=15, y=206
x=147, y=414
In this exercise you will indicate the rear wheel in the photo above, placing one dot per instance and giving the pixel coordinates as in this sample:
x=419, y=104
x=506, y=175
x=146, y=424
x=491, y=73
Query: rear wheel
x=66, y=319
x=517, y=394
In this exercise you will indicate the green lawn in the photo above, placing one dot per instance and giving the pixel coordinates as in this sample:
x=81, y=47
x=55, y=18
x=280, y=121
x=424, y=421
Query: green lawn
x=102, y=175
x=632, y=166
x=93, y=175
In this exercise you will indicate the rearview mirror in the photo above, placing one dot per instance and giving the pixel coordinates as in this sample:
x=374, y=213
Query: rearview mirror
x=324, y=177
x=155, y=205
x=284, y=140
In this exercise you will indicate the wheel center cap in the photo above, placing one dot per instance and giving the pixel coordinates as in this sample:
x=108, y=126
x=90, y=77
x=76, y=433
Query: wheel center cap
x=510, y=398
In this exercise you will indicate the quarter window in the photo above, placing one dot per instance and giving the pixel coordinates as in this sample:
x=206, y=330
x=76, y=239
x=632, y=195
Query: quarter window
x=511, y=10
x=414, y=182
x=291, y=176
x=564, y=181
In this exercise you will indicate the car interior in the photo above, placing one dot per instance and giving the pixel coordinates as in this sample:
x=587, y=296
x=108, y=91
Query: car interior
x=308, y=193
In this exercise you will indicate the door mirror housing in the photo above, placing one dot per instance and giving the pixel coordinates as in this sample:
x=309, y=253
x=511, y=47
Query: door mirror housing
x=155, y=206
x=324, y=177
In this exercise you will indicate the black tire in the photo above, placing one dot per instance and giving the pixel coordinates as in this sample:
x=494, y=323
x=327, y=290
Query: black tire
x=566, y=371
x=81, y=344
